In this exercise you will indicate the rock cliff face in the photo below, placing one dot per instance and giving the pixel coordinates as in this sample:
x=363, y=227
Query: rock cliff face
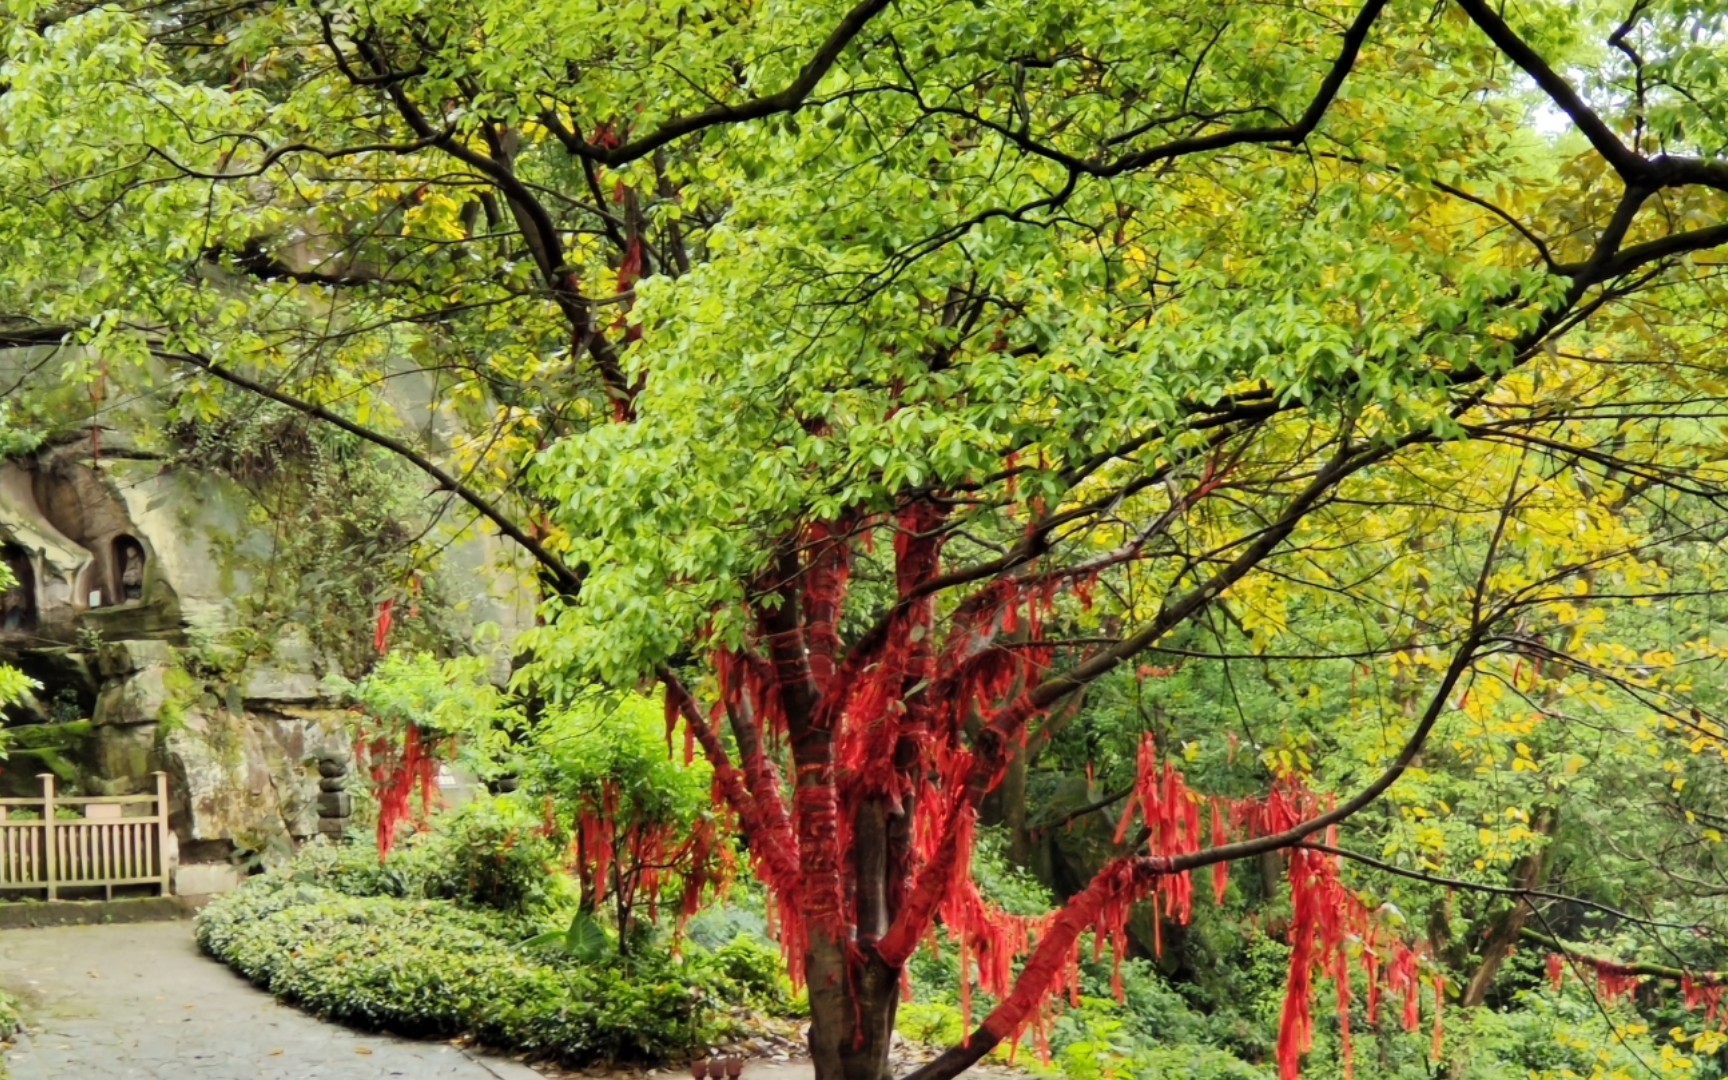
x=130, y=610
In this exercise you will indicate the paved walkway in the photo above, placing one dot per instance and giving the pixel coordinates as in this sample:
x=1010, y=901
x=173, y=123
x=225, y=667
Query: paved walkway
x=140, y=1002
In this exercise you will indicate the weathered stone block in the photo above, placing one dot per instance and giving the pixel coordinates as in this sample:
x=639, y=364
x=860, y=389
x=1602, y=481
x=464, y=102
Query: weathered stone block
x=125, y=754
x=238, y=782
x=120, y=658
x=332, y=769
x=203, y=879
x=292, y=675
x=335, y=804
x=138, y=699
x=274, y=684
x=333, y=783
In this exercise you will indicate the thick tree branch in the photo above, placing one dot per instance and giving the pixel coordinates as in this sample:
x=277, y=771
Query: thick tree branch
x=1351, y=48
x=788, y=99
x=1636, y=967
x=1636, y=170
x=1176, y=612
x=1631, y=167
x=1636, y=256
x=992, y=746
x=532, y=218
x=759, y=807
x=1142, y=871
x=569, y=580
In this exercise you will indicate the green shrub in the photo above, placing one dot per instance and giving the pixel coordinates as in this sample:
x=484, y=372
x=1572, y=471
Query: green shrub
x=433, y=942
x=354, y=869
x=743, y=914
x=10, y=1018
x=437, y=968
x=745, y=970
x=490, y=854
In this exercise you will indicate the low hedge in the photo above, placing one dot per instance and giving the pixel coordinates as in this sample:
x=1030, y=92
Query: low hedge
x=437, y=968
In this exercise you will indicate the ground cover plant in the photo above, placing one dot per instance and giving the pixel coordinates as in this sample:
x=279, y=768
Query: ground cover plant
x=11, y=1017
x=440, y=941
x=11, y=1023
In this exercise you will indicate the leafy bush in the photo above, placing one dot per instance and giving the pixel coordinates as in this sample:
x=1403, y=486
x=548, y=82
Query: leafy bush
x=435, y=967
x=1548, y=1036
x=453, y=697
x=1099, y=1039
x=743, y=914
x=1155, y=1031
x=354, y=869
x=755, y=974
x=10, y=1019
x=491, y=853
x=648, y=837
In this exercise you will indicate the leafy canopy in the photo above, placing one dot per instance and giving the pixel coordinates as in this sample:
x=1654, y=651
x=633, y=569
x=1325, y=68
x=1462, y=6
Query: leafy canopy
x=900, y=371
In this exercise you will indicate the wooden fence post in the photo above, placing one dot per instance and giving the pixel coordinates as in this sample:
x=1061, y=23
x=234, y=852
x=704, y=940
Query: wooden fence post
x=162, y=830
x=50, y=862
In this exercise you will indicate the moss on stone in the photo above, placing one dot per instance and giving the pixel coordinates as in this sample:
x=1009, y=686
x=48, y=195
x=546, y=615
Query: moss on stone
x=48, y=736
x=183, y=690
x=51, y=761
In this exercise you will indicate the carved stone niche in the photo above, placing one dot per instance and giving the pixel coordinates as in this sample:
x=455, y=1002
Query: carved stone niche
x=19, y=603
x=115, y=575
x=127, y=561
x=89, y=564
x=75, y=500
x=46, y=563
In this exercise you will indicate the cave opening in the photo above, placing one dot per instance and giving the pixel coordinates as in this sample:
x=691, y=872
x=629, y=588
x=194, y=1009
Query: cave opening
x=18, y=602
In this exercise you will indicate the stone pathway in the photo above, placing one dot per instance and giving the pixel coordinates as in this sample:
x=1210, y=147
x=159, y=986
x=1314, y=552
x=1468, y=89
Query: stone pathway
x=139, y=1002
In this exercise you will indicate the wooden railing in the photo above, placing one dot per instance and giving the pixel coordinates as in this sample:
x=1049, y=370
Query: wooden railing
x=119, y=840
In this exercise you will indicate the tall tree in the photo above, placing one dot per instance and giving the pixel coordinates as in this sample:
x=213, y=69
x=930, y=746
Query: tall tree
x=878, y=377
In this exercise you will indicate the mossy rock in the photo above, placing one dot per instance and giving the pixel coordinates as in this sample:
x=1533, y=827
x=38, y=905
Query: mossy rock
x=64, y=769
x=68, y=736
x=124, y=757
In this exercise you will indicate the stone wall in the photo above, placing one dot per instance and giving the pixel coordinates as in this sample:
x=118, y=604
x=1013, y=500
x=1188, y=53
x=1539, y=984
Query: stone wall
x=132, y=580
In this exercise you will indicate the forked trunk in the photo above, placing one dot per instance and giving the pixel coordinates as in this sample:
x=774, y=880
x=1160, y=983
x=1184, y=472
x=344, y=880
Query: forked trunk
x=852, y=1026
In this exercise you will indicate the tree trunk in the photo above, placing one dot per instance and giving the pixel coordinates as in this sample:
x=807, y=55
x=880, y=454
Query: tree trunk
x=852, y=1029
x=878, y=1000
x=852, y=1012
x=852, y=1032
x=1504, y=934
x=830, y=1005
x=1006, y=806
